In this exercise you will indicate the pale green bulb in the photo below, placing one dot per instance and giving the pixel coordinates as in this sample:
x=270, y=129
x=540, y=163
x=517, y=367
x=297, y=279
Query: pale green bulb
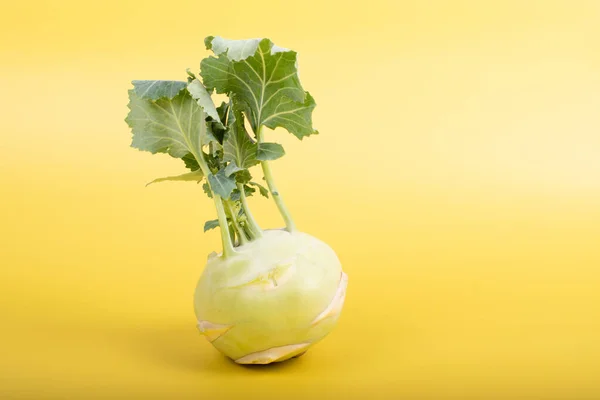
x=271, y=301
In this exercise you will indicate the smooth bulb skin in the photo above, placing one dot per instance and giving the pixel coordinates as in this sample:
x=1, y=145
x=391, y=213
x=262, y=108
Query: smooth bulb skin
x=272, y=300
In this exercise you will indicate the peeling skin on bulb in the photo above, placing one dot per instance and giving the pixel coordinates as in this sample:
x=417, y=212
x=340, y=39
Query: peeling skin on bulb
x=211, y=330
x=272, y=278
x=335, y=307
x=274, y=354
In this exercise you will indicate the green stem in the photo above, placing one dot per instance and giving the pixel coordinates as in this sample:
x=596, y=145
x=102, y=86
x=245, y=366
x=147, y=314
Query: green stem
x=226, y=241
x=238, y=229
x=249, y=232
x=228, y=249
x=249, y=217
x=268, y=174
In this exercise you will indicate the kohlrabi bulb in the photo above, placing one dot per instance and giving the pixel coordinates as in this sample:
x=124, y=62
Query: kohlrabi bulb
x=273, y=299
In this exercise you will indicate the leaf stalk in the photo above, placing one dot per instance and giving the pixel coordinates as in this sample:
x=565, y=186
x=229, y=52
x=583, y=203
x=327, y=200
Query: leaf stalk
x=226, y=241
x=268, y=174
x=253, y=225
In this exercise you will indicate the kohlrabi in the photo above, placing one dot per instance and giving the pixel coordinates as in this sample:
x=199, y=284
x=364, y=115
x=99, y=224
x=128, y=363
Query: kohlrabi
x=270, y=294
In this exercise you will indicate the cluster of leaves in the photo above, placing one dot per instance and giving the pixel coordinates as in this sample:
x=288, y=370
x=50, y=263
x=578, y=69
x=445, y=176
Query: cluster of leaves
x=180, y=118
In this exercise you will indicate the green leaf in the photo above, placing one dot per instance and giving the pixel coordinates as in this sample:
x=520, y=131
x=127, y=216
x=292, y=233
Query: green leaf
x=175, y=125
x=210, y=136
x=295, y=117
x=154, y=90
x=208, y=42
x=248, y=191
x=263, y=190
x=215, y=73
x=212, y=224
x=223, y=111
x=190, y=162
x=201, y=95
x=269, y=151
x=264, y=78
x=191, y=75
x=237, y=50
x=214, y=158
x=238, y=147
x=206, y=189
x=232, y=168
x=243, y=176
x=221, y=184
x=194, y=176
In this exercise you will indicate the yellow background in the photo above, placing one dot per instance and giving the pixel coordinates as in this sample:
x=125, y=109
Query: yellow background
x=457, y=175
